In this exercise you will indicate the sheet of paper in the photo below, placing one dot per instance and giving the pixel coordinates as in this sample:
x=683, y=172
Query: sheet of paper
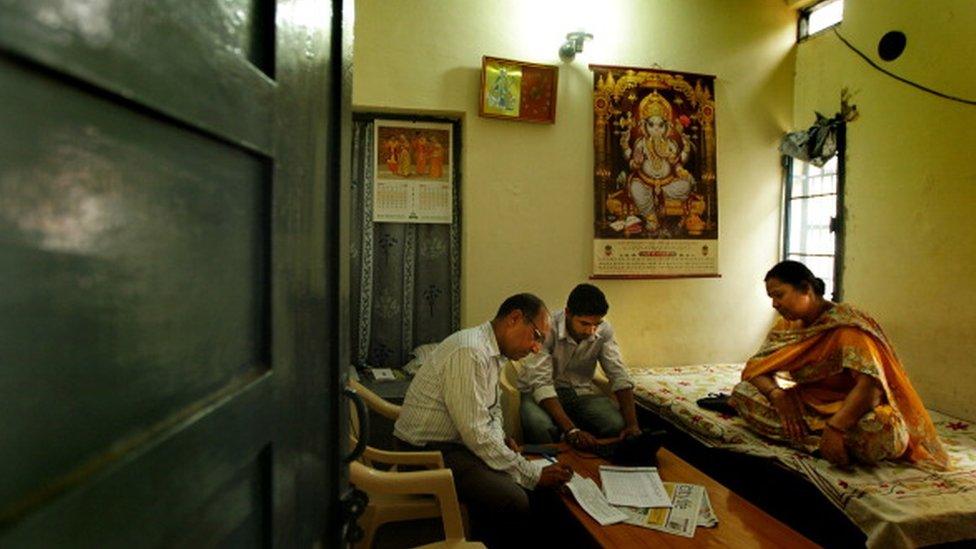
x=633, y=486
x=591, y=499
x=682, y=517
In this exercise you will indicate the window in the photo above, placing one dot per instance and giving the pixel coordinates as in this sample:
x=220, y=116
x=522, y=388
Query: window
x=822, y=15
x=813, y=232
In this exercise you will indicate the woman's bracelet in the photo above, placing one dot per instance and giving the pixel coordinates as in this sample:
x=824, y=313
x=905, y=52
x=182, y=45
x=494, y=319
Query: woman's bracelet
x=570, y=432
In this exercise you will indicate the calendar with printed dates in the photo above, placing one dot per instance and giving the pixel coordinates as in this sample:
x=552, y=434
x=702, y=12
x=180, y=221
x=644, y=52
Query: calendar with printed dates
x=412, y=175
x=641, y=258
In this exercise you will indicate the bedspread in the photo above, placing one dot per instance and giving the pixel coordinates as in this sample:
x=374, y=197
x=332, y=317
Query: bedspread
x=895, y=504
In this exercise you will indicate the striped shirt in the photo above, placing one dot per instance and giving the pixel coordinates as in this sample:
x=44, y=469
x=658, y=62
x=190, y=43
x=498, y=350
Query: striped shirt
x=564, y=363
x=455, y=398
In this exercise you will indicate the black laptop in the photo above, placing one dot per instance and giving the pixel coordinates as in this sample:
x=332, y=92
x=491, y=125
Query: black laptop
x=635, y=451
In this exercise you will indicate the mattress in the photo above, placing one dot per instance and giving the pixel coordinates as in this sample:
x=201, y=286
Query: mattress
x=894, y=504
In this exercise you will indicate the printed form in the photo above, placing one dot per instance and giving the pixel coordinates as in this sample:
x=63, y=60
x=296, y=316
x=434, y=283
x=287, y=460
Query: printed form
x=633, y=486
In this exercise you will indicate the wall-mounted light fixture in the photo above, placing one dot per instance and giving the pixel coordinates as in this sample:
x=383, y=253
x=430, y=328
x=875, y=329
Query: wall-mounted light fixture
x=573, y=45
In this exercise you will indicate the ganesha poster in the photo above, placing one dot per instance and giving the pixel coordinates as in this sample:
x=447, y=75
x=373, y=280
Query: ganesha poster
x=654, y=174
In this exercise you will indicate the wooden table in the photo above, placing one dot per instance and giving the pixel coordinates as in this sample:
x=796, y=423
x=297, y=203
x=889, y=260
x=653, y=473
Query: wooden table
x=740, y=523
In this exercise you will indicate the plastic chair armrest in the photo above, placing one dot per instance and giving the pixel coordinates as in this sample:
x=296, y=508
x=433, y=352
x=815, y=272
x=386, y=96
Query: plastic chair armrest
x=439, y=483
x=429, y=459
x=375, y=402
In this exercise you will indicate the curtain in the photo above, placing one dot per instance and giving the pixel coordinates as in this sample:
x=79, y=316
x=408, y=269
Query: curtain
x=406, y=277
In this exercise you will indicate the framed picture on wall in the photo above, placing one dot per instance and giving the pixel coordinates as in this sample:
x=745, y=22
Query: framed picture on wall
x=516, y=90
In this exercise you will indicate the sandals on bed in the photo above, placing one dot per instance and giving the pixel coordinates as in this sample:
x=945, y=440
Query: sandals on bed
x=717, y=402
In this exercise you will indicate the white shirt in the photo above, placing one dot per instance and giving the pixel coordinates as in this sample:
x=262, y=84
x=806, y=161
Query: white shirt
x=564, y=363
x=455, y=398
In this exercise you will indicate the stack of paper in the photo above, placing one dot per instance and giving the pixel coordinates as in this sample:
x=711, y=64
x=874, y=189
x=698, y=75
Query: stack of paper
x=636, y=495
x=690, y=508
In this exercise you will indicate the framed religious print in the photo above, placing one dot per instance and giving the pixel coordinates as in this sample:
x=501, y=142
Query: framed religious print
x=516, y=90
x=412, y=175
x=654, y=174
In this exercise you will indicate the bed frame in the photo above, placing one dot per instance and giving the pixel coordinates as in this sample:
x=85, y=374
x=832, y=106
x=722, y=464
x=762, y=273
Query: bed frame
x=773, y=488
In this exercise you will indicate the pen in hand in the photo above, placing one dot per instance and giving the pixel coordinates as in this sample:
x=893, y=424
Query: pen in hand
x=561, y=473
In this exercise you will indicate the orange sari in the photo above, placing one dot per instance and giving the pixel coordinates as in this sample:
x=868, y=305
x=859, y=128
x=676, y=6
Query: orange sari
x=845, y=338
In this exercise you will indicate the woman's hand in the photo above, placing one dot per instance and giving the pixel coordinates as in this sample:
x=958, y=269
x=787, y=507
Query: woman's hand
x=790, y=409
x=832, y=447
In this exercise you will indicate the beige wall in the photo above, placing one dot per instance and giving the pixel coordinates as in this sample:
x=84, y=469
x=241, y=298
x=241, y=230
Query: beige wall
x=527, y=191
x=911, y=183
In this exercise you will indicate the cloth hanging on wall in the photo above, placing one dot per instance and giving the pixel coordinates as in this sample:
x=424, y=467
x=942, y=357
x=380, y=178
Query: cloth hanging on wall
x=406, y=283
x=816, y=145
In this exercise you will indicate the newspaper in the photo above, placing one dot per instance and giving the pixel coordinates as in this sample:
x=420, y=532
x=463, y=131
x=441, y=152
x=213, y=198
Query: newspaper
x=706, y=515
x=690, y=507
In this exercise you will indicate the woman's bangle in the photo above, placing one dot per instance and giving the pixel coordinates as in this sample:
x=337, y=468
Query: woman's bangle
x=570, y=433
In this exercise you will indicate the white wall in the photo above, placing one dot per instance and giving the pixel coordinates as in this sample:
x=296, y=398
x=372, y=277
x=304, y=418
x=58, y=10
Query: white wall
x=527, y=194
x=911, y=183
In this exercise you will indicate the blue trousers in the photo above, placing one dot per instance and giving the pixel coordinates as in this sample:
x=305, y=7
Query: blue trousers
x=595, y=414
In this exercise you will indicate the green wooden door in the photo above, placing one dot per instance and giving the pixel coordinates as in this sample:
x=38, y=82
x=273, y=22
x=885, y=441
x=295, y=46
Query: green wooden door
x=166, y=273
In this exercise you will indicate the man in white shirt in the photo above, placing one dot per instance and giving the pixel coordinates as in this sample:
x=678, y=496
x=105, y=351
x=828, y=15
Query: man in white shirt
x=559, y=400
x=452, y=405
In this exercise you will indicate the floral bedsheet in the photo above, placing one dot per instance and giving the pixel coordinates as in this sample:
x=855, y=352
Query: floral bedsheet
x=895, y=504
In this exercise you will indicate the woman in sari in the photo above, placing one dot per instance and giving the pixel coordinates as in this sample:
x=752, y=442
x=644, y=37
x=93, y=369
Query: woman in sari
x=845, y=392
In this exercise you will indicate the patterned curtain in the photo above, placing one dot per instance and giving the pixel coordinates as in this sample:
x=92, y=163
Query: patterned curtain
x=406, y=277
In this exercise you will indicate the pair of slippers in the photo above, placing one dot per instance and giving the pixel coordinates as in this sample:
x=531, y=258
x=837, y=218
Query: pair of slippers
x=717, y=402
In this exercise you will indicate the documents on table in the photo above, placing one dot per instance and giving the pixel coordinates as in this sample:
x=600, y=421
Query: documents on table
x=633, y=486
x=682, y=517
x=690, y=507
x=591, y=499
x=672, y=507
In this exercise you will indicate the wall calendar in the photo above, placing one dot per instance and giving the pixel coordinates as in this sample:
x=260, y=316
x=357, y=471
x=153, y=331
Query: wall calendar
x=654, y=174
x=412, y=172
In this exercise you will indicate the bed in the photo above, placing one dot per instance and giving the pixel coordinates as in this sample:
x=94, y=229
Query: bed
x=893, y=505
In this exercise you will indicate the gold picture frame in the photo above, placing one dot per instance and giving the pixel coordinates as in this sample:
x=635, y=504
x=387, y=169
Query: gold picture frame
x=517, y=90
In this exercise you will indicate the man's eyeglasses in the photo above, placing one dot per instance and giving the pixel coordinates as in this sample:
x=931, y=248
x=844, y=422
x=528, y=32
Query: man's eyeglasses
x=536, y=334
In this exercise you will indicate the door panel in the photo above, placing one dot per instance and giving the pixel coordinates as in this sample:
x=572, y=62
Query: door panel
x=194, y=61
x=138, y=271
x=177, y=477
x=166, y=219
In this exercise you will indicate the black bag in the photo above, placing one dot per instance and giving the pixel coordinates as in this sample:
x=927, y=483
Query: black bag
x=717, y=402
x=635, y=451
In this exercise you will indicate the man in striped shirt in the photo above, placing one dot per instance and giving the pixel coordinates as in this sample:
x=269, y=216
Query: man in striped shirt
x=452, y=405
